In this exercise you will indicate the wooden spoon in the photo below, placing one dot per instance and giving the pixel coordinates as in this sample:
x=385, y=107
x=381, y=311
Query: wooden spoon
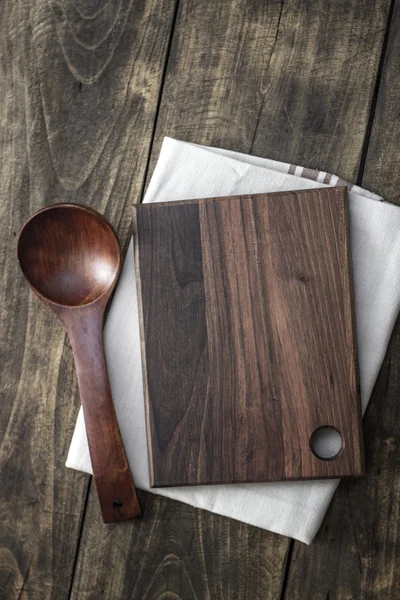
x=71, y=257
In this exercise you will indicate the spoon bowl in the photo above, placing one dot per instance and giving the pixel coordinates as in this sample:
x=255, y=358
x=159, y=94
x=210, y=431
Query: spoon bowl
x=69, y=254
x=71, y=258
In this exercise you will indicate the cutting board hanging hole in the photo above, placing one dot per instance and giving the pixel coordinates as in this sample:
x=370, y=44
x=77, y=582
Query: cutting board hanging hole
x=326, y=442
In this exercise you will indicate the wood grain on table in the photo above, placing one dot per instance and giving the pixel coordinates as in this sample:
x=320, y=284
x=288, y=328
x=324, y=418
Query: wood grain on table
x=84, y=88
x=66, y=135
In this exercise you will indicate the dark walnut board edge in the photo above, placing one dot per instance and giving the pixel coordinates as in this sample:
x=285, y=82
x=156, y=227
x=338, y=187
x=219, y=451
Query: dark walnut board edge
x=248, y=339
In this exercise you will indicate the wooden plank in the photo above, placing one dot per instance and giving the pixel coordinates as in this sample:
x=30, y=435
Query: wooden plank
x=176, y=551
x=355, y=554
x=381, y=167
x=248, y=337
x=218, y=79
x=80, y=88
x=291, y=81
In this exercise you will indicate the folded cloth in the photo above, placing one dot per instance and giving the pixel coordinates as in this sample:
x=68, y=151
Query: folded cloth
x=185, y=171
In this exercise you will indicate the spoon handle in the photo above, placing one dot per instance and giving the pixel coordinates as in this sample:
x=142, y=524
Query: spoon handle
x=114, y=484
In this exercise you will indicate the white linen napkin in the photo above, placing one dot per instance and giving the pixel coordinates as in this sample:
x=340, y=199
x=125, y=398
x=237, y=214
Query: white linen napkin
x=185, y=171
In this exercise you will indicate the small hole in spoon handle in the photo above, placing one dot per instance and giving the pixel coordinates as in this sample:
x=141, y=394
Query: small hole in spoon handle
x=117, y=498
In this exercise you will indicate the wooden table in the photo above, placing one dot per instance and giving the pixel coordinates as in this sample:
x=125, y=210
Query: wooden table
x=88, y=90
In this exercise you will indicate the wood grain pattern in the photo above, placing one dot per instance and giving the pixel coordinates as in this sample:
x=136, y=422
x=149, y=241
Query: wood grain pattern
x=363, y=555
x=61, y=139
x=288, y=80
x=359, y=537
x=176, y=551
x=71, y=258
x=248, y=337
x=383, y=158
x=228, y=60
x=222, y=58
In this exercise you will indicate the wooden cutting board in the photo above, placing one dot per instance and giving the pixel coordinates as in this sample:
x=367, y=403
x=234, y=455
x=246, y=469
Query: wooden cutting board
x=248, y=339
